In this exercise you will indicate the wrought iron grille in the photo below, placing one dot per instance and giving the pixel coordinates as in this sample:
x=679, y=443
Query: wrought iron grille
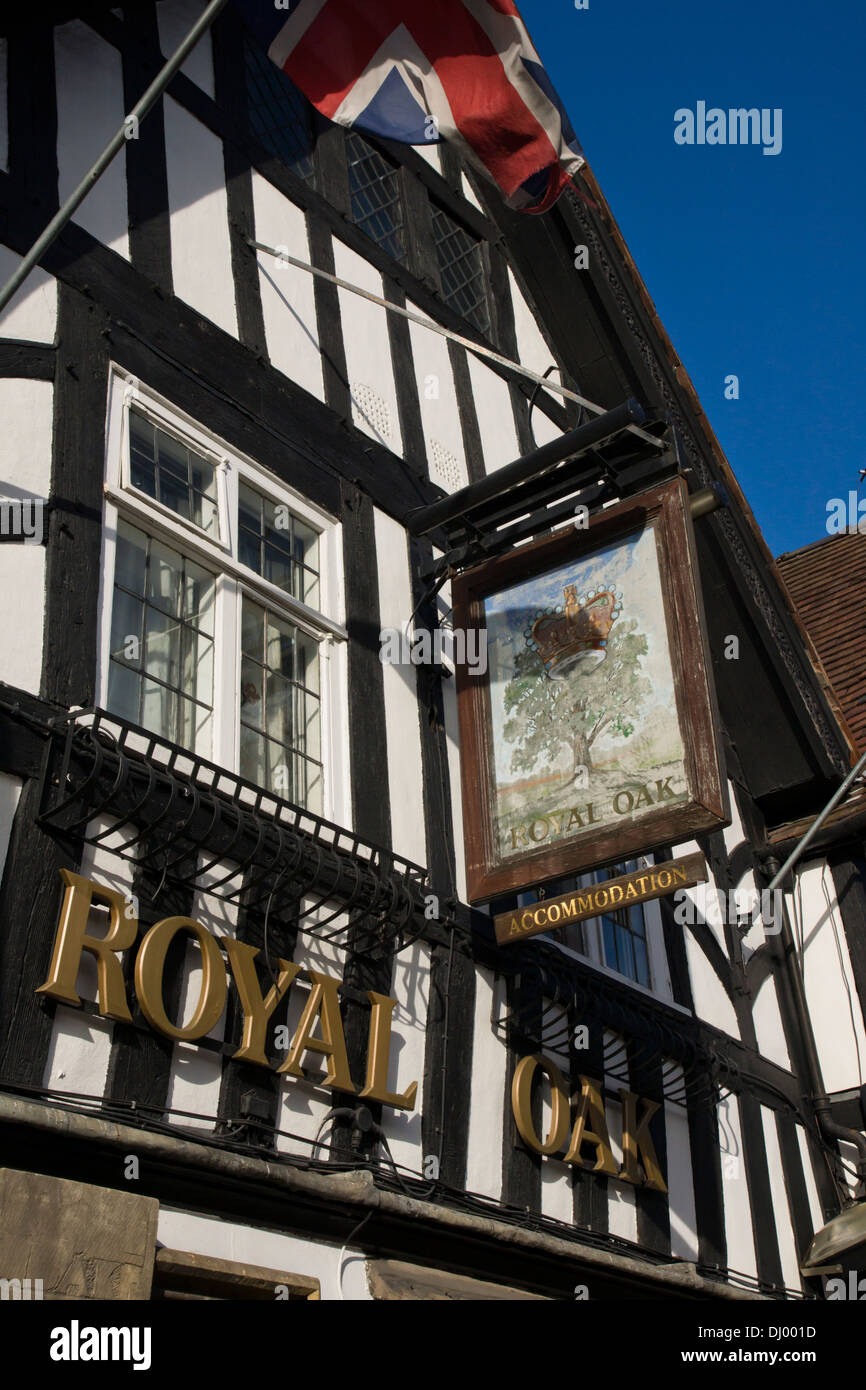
x=195, y=825
x=374, y=187
x=553, y=993
x=279, y=115
x=461, y=268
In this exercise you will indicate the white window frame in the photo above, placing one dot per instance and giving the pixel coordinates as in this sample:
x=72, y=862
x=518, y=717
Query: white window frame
x=233, y=580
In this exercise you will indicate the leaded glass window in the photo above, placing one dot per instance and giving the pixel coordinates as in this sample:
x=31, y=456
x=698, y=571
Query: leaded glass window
x=162, y=626
x=461, y=269
x=173, y=474
x=280, y=116
x=280, y=742
x=374, y=188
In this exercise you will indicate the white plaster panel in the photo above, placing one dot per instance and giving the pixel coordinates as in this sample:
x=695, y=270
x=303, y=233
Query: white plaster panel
x=175, y=19
x=557, y=1177
x=288, y=294
x=532, y=352
x=495, y=415
x=621, y=1208
x=78, y=1053
x=196, y=1072
x=26, y=408
x=487, y=1104
x=201, y=259
x=304, y=1103
x=831, y=992
x=710, y=999
x=410, y=986
x=403, y=734
x=368, y=351
x=780, y=1214
x=468, y=194
x=735, y=1191
x=85, y=63
x=227, y=1240
x=31, y=314
x=434, y=379
x=10, y=791
x=431, y=154
x=22, y=584
x=768, y=1024
x=681, y=1189
x=815, y=1208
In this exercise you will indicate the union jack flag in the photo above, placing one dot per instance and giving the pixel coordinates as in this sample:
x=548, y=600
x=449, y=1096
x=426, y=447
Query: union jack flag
x=408, y=70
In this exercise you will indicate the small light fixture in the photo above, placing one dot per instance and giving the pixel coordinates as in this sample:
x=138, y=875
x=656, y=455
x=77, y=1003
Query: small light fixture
x=839, y=1246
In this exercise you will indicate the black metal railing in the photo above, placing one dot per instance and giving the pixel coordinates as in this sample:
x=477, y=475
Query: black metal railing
x=110, y=784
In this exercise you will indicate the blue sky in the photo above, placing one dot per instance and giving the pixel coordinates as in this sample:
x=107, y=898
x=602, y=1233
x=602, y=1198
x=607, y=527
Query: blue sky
x=755, y=262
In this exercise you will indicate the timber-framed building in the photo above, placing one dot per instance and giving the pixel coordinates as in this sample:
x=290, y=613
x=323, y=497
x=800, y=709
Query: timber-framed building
x=216, y=457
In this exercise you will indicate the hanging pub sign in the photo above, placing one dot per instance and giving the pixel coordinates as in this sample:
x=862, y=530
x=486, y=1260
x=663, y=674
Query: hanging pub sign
x=591, y=736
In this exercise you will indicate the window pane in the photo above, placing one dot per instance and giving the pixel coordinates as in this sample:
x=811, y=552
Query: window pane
x=130, y=557
x=164, y=578
x=280, y=721
x=252, y=630
x=173, y=458
x=252, y=757
x=307, y=725
x=198, y=597
x=275, y=544
x=461, y=269
x=249, y=507
x=374, y=189
x=273, y=702
x=306, y=661
x=280, y=644
x=252, y=704
x=126, y=633
x=172, y=648
x=169, y=471
x=280, y=117
x=159, y=710
x=162, y=648
x=124, y=690
x=278, y=568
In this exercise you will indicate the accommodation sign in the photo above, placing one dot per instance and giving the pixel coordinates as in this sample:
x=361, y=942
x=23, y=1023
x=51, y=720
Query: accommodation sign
x=614, y=893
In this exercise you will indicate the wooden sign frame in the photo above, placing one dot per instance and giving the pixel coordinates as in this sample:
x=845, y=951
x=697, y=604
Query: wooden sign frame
x=489, y=872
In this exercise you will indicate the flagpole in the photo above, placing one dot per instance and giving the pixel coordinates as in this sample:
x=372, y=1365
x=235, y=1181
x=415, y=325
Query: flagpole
x=283, y=258
x=138, y=112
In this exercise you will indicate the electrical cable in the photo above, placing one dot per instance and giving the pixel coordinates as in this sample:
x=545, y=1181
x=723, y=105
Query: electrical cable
x=351, y=1236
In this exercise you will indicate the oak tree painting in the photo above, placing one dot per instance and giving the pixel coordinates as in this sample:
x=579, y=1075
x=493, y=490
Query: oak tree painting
x=544, y=717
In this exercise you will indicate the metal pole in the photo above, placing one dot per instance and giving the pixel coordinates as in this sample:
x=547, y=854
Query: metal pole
x=283, y=258
x=798, y=849
x=587, y=436
x=155, y=90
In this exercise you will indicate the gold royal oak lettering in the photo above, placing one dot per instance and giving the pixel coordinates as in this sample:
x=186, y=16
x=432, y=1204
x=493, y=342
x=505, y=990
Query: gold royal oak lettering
x=322, y=1006
x=640, y=1165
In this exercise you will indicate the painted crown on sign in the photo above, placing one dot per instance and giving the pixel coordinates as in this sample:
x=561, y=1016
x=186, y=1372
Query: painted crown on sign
x=574, y=634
